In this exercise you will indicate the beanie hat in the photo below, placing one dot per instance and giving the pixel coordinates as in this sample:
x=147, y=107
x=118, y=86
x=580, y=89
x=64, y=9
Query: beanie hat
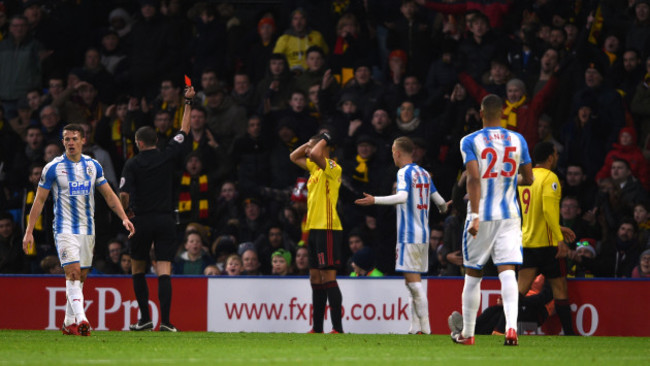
x=266, y=20
x=588, y=244
x=364, y=258
x=284, y=254
x=399, y=54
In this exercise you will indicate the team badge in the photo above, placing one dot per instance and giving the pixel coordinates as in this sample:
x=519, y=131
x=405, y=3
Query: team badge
x=179, y=138
x=332, y=164
x=89, y=170
x=64, y=255
x=554, y=186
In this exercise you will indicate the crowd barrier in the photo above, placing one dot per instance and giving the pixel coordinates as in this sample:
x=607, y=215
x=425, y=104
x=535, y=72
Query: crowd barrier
x=281, y=304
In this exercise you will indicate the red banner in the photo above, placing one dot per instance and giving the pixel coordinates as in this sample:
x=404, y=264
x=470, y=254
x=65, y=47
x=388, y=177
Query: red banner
x=39, y=302
x=599, y=307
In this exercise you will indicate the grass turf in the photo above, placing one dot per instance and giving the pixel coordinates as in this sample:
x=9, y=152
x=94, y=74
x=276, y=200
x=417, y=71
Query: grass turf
x=18, y=347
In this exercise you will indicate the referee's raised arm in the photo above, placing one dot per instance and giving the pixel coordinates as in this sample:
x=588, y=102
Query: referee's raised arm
x=189, y=96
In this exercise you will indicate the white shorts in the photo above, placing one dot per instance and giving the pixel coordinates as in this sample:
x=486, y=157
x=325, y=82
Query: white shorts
x=499, y=239
x=73, y=248
x=412, y=257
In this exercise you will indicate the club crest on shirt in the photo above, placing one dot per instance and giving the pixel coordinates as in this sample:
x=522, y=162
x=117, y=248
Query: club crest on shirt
x=89, y=170
x=332, y=164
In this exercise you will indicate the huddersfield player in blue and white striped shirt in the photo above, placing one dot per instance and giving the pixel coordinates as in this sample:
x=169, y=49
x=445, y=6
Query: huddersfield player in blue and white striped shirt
x=414, y=190
x=73, y=178
x=492, y=157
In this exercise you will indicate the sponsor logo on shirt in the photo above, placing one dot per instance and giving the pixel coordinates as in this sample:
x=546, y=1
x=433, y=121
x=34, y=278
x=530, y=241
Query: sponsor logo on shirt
x=79, y=188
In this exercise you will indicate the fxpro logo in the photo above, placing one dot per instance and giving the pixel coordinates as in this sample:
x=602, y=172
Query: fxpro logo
x=109, y=301
x=586, y=315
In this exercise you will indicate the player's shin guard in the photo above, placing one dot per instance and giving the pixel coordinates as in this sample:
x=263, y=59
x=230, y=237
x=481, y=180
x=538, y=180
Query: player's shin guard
x=510, y=296
x=420, y=304
x=471, y=301
x=319, y=302
x=142, y=295
x=563, y=309
x=76, y=299
x=335, y=299
x=165, y=297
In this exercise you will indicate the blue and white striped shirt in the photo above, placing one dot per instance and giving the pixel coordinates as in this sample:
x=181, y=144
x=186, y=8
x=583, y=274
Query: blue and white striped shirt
x=73, y=188
x=499, y=153
x=413, y=215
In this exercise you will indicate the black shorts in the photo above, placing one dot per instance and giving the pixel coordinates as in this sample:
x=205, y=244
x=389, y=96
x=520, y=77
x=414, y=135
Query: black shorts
x=544, y=260
x=324, y=248
x=159, y=229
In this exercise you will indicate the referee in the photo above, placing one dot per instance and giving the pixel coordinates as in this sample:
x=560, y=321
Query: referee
x=148, y=178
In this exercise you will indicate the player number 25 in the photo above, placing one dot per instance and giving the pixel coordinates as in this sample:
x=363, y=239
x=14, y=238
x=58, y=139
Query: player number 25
x=491, y=155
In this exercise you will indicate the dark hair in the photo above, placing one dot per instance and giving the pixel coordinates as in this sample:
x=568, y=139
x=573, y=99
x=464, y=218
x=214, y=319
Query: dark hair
x=627, y=164
x=542, y=151
x=147, y=135
x=4, y=215
x=315, y=49
x=75, y=127
x=630, y=221
x=201, y=109
x=491, y=106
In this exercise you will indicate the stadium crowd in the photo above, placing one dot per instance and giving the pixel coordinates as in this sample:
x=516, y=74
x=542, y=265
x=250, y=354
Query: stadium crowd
x=271, y=74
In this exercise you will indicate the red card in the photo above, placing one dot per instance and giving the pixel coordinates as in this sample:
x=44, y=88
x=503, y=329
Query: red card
x=188, y=81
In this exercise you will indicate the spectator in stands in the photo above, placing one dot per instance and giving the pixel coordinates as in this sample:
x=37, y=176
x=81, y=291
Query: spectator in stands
x=627, y=73
x=111, y=263
x=302, y=262
x=274, y=239
x=211, y=270
x=194, y=188
x=571, y=217
x=363, y=263
x=631, y=189
x=480, y=47
x=618, y=254
x=194, y=259
x=209, y=80
x=642, y=219
x=226, y=119
x=204, y=144
x=226, y=208
x=51, y=265
x=281, y=262
x=252, y=224
x=23, y=118
x=273, y=92
x=99, y=154
x=437, y=262
x=113, y=57
x=243, y=93
x=234, y=265
x=260, y=52
x=20, y=56
x=640, y=108
x=643, y=269
x=576, y=184
x=412, y=34
x=351, y=45
x=170, y=99
x=33, y=152
x=251, y=264
x=297, y=39
x=628, y=150
x=250, y=157
x=52, y=125
x=96, y=75
x=585, y=248
x=125, y=263
x=208, y=47
x=638, y=35
x=315, y=60
x=12, y=258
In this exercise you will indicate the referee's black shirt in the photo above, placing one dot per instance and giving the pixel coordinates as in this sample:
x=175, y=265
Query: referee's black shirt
x=148, y=178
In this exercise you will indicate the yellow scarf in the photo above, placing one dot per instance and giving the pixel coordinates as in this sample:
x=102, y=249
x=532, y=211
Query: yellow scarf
x=509, y=116
x=361, y=170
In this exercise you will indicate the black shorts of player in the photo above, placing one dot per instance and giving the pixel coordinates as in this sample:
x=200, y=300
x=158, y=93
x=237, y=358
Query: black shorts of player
x=324, y=248
x=544, y=260
x=159, y=229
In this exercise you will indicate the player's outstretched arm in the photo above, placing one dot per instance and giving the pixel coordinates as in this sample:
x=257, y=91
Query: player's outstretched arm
x=189, y=95
x=34, y=213
x=440, y=202
x=114, y=204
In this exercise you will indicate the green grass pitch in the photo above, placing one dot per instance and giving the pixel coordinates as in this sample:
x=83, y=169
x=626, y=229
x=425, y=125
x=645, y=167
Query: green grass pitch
x=18, y=347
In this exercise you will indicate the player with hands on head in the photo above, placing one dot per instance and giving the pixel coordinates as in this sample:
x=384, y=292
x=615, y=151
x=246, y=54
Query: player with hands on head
x=492, y=157
x=414, y=191
x=324, y=225
x=73, y=178
x=148, y=177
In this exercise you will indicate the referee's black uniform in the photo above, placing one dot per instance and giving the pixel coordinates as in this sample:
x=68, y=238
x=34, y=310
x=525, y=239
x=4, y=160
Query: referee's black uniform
x=146, y=184
x=148, y=179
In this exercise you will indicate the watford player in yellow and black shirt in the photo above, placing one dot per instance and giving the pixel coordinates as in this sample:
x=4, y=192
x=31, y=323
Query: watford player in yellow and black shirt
x=325, y=230
x=543, y=237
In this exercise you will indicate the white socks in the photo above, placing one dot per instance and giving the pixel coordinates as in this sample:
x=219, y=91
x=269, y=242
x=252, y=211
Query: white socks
x=74, y=310
x=471, y=301
x=419, y=308
x=510, y=296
